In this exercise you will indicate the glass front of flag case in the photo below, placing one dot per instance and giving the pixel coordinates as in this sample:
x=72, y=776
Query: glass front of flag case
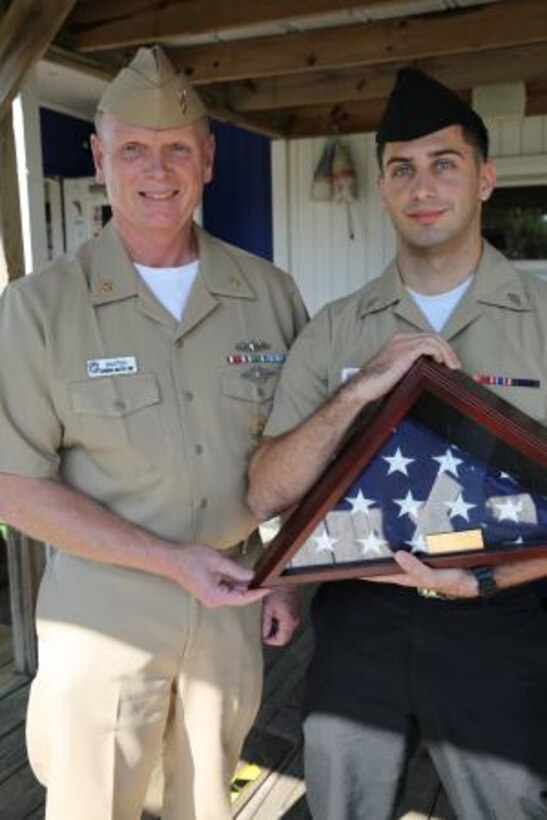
x=441, y=468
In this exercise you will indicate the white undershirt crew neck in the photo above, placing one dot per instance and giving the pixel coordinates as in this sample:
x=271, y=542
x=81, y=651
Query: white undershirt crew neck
x=170, y=286
x=438, y=308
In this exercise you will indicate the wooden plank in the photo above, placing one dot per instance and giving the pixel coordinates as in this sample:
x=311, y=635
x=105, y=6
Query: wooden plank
x=6, y=648
x=26, y=561
x=26, y=30
x=522, y=63
x=20, y=796
x=118, y=25
x=13, y=709
x=277, y=791
x=363, y=117
x=38, y=814
x=11, y=680
x=349, y=118
x=13, y=753
x=12, y=262
x=78, y=62
x=272, y=754
x=473, y=29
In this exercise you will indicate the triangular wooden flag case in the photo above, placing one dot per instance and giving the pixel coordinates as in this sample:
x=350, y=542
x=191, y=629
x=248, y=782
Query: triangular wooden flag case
x=441, y=467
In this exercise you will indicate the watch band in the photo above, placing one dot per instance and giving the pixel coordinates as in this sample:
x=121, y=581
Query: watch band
x=485, y=580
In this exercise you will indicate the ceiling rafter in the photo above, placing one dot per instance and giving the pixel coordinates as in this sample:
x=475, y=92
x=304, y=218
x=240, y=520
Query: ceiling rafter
x=474, y=29
x=506, y=65
x=143, y=23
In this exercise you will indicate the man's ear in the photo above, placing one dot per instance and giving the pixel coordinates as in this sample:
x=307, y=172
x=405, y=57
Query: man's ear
x=98, y=157
x=487, y=180
x=209, y=158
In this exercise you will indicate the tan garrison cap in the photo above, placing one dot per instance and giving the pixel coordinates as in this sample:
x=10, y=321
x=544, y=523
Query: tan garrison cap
x=149, y=92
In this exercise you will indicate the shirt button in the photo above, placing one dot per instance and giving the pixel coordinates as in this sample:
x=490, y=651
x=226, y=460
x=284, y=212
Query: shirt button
x=203, y=503
x=179, y=342
x=119, y=405
x=199, y=449
x=188, y=395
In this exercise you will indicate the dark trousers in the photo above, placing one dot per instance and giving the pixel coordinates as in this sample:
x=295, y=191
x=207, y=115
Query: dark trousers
x=468, y=677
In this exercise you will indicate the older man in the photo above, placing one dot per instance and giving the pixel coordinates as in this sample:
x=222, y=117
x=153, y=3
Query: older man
x=456, y=656
x=129, y=404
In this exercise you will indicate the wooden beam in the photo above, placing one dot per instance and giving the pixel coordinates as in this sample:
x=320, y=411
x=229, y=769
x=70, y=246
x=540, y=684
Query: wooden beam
x=502, y=66
x=266, y=126
x=364, y=116
x=26, y=30
x=12, y=260
x=473, y=29
x=87, y=65
x=116, y=25
x=324, y=120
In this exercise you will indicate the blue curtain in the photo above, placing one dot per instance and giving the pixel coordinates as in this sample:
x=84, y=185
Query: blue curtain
x=66, y=150
x=237, y=204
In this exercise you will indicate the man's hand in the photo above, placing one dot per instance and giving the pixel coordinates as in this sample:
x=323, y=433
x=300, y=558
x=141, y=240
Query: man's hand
x=456, y=583
x=280, y=616
x=211, y=577
x=387, y=367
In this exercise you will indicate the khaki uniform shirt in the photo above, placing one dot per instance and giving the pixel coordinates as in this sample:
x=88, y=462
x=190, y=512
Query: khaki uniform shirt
x=165, y=446
x=498, y=328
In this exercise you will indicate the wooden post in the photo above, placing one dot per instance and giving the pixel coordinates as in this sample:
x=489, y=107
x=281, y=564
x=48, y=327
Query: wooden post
x=12, y=263
x=26, y=561
x=26, y=30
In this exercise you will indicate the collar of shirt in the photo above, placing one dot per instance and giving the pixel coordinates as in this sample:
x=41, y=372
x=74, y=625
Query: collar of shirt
x=112, y=276
x=496, y=282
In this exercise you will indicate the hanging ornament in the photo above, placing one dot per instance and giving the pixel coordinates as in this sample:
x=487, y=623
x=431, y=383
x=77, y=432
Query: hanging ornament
x=334, y=179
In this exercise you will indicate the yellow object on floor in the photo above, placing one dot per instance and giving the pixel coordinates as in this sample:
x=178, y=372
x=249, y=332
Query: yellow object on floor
x=248, y=773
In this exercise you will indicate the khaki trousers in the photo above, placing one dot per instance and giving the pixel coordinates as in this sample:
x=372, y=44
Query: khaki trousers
x=133, y=671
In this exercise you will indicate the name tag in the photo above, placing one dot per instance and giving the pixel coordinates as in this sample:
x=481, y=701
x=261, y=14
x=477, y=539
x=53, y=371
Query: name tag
x=348, y=372
x=119, y=366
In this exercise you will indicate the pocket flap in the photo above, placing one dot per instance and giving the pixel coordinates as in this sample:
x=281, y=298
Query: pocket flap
x=237, y=387
x=114, y=395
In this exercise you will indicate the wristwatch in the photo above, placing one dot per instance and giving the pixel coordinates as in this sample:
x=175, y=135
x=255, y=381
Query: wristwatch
x=485, y=580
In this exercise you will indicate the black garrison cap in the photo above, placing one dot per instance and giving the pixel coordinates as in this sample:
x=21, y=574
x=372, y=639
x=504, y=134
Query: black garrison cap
x=419, y=105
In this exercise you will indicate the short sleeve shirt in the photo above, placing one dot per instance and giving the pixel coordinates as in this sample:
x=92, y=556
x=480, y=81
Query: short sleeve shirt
x=102, y=388
x=499, y=327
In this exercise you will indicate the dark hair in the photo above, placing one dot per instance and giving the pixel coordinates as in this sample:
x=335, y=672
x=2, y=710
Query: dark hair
x=475, y=134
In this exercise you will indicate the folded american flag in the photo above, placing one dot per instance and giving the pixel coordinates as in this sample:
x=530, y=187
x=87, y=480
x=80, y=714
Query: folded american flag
x=419, y=484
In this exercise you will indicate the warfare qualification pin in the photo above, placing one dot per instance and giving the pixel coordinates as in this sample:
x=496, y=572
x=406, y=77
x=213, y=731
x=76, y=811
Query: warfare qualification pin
x=258, y=374
x=252, y=345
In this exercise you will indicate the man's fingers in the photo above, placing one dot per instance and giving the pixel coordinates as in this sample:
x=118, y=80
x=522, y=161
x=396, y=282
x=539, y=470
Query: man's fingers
x=225, y=566
x=227, y=595
x=409, y=563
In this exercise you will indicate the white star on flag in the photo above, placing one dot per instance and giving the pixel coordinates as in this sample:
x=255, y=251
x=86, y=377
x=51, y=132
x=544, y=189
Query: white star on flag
x=409, y=505
x=509, y=510
x=373, y=545
x=459, y=507
x=418, y=543
x=324, y=543
x=359, y=503
x=448, y=463
x=398, y=463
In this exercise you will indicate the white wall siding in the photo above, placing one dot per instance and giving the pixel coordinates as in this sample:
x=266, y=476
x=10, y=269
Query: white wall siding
x=311, y=239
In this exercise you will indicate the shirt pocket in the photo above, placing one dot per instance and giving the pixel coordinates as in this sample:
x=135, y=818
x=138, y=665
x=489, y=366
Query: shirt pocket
x=248, y=400
x=120, y=420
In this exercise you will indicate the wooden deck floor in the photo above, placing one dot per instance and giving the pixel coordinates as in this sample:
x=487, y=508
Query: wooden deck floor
x=272, y=786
